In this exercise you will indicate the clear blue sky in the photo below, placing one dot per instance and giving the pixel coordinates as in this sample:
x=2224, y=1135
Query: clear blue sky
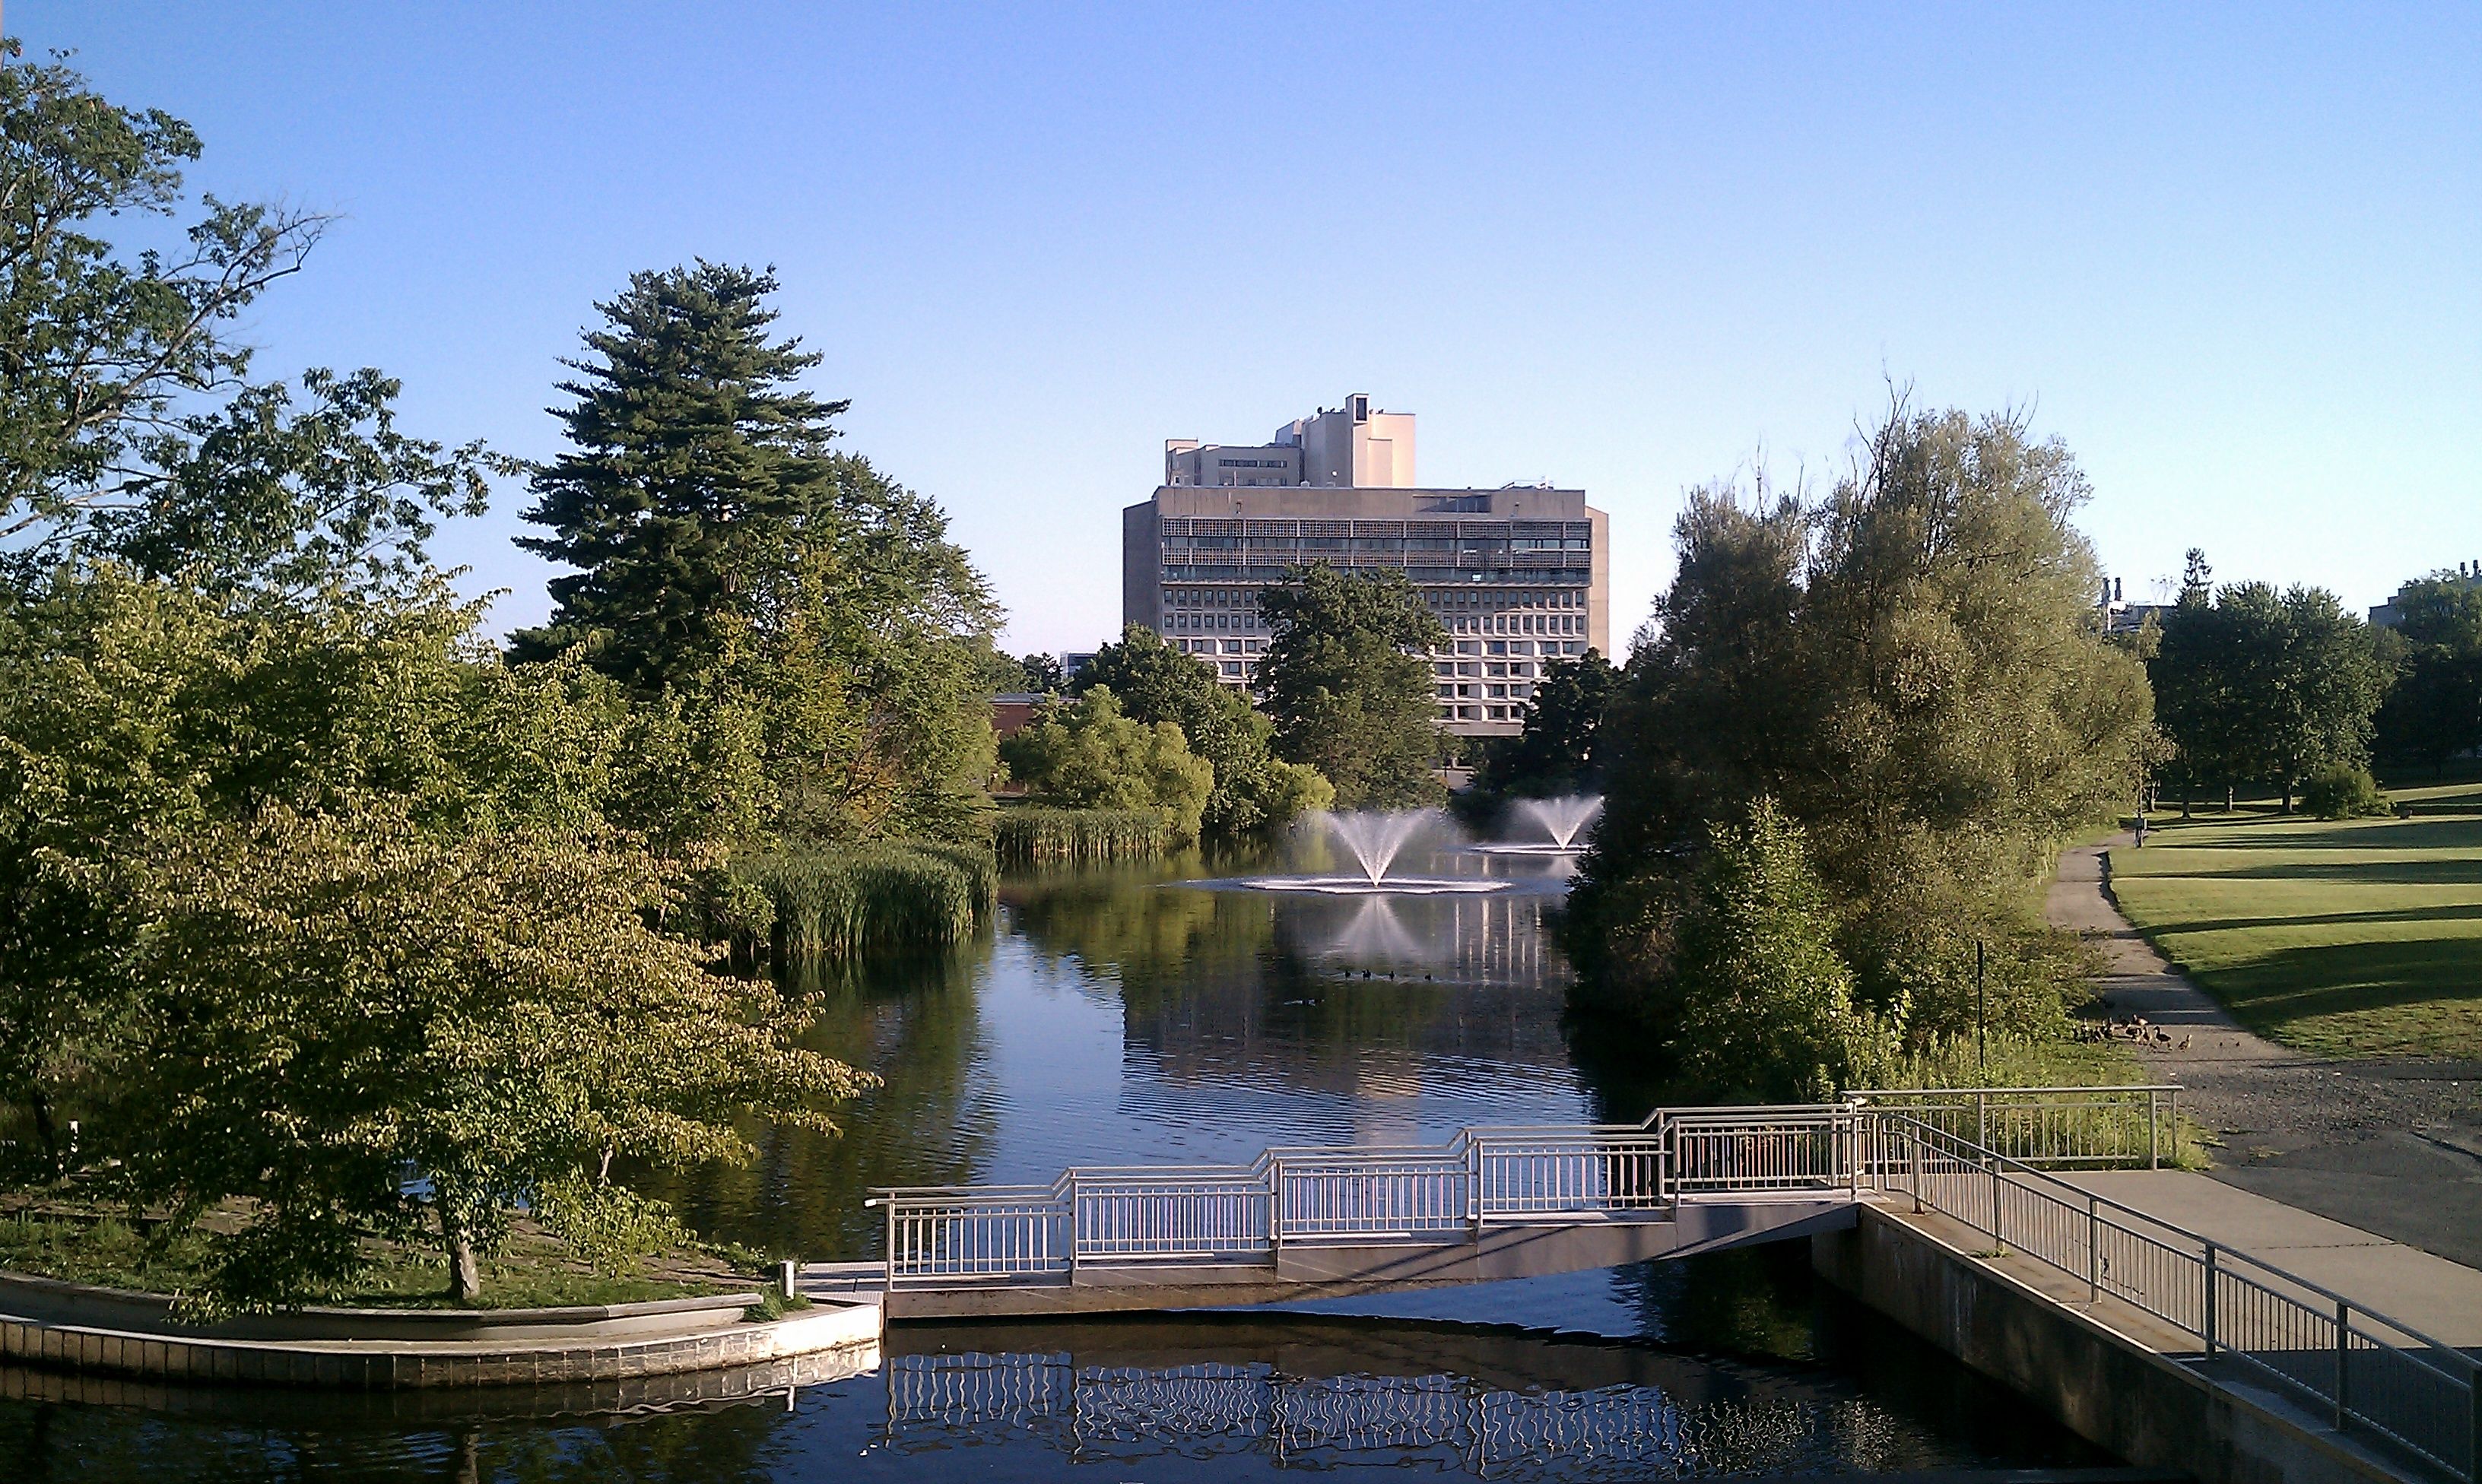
x=2233, y=256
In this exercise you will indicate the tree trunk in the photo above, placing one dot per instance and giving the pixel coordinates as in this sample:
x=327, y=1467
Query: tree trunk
x=2227, y=798
x=2288, y=796
x=465, y=1267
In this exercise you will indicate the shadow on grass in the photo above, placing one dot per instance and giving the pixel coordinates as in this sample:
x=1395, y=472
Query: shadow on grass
x=2459, y=871
x=2439, y=978
x=2433, y=833
x=2457, y=911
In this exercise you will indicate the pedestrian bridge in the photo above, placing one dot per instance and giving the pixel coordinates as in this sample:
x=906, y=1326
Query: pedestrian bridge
x=1492, y=1203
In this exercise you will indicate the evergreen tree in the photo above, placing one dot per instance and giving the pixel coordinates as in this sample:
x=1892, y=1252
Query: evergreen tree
x=694, y=477
x=1347, y=680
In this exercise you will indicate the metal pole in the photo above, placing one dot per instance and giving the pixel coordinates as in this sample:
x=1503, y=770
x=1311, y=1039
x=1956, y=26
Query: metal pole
x=1982, y=1059
x=2153, y=1134
x=2209, y=1334
x=1982, y=1118
x=1914, y=1163
x=888, y=1268
x=2343, y=1358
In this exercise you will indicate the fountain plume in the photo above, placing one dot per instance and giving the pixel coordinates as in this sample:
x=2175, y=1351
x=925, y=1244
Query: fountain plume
x=1563, y=817
x=1376, y=837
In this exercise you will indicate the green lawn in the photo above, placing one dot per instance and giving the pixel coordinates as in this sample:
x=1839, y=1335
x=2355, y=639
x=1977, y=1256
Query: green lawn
x=2354, y=938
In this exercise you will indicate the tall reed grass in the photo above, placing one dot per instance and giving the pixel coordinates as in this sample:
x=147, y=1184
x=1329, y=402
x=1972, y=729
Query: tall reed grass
x=839, y=902
x=1029, y=833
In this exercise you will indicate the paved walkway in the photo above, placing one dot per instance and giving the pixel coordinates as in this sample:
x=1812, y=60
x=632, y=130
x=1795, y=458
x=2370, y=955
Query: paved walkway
x=2390, y=1145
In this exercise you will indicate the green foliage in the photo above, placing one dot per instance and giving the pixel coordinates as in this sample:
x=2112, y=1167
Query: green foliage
x=693, y=468
x=1255, y=791
x=2343, y=790
x=727, y=557
x=2434, y=709
x=328, y=1002
x=1912, y=670
x=2260, y=686
x=1347, y=680
x=1025, y=834
x=1089, y=754
x=863, y=899
x=1042, y=675
x=1766, y=1006
x=1555, y=754
x=128, y=423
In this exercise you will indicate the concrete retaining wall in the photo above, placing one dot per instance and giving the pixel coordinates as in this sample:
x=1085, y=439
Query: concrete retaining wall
x=2149, y=1407
x=387, y=1365
x=53, y=1301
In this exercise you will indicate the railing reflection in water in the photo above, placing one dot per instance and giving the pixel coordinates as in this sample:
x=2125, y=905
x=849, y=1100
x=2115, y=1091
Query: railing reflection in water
x=1092, y=1414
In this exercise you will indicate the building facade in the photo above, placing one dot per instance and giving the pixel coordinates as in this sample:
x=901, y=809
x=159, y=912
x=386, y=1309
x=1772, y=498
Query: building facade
x=1520, y=576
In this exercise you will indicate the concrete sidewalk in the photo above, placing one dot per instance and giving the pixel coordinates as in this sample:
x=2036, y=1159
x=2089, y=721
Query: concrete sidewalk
x=2390, y=1145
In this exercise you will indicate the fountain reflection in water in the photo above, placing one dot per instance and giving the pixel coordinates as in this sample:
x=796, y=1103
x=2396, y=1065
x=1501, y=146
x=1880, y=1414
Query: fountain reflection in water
x=1377, y=838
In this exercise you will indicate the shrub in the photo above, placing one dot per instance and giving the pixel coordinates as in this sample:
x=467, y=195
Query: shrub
x=2343, y=790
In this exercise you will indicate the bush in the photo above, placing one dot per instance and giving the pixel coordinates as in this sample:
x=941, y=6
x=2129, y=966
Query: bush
x=1029, y=833
x=2343, y=790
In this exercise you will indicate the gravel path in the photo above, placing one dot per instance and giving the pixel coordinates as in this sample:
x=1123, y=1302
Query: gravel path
x=2390, y=1145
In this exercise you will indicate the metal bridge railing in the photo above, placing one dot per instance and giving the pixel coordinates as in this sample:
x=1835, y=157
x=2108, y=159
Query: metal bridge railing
x=2050, y=1127
x=1222, y=1215
x=2355, y=1365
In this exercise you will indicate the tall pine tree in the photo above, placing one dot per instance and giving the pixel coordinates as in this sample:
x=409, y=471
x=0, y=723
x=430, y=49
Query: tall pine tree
x=694, y=471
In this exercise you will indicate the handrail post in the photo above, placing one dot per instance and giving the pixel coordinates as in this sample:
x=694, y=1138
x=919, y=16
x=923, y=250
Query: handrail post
x=1913, y=1162
x=2344, y=1359
x=1074, y=1222
x=1473, y=1187
x=1274, y=1208
x=888, y=1268
x=2094, y=1249
x=1982, y=1119
x=2153, y=1133
x=2473, y=1426
x=2208, y=1333
x=1995, y=1238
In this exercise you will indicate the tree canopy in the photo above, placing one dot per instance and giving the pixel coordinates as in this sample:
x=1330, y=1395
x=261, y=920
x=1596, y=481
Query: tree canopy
x=2260, y=686
x=775, y=589
x=1087, y=752
x=1556, y=753
x=1346, y=678
x=1254, y=789
x=1913, y=670
x=312, y=907
x=2433, y=711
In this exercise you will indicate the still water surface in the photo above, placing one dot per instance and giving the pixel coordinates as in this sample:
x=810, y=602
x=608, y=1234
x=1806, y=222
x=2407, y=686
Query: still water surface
x=1131, y=1015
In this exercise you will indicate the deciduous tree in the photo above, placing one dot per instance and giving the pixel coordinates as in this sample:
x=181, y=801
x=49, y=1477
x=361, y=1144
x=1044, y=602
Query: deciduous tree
x=1347, y=680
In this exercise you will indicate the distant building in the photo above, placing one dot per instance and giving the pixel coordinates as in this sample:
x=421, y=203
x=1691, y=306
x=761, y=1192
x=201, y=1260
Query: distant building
x=1520, y=575
x=2121, y=616
x=2388, y=615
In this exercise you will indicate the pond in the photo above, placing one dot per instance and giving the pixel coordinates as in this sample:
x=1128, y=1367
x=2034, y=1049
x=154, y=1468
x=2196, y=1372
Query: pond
x=1159, y=1013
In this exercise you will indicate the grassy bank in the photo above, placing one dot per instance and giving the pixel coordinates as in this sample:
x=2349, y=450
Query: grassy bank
x=2358, y=937
x=838, y=903
x=533, y=1271
x=1026, y=834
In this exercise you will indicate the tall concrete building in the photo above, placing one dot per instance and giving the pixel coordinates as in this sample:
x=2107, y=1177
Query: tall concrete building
x=1519, y=575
